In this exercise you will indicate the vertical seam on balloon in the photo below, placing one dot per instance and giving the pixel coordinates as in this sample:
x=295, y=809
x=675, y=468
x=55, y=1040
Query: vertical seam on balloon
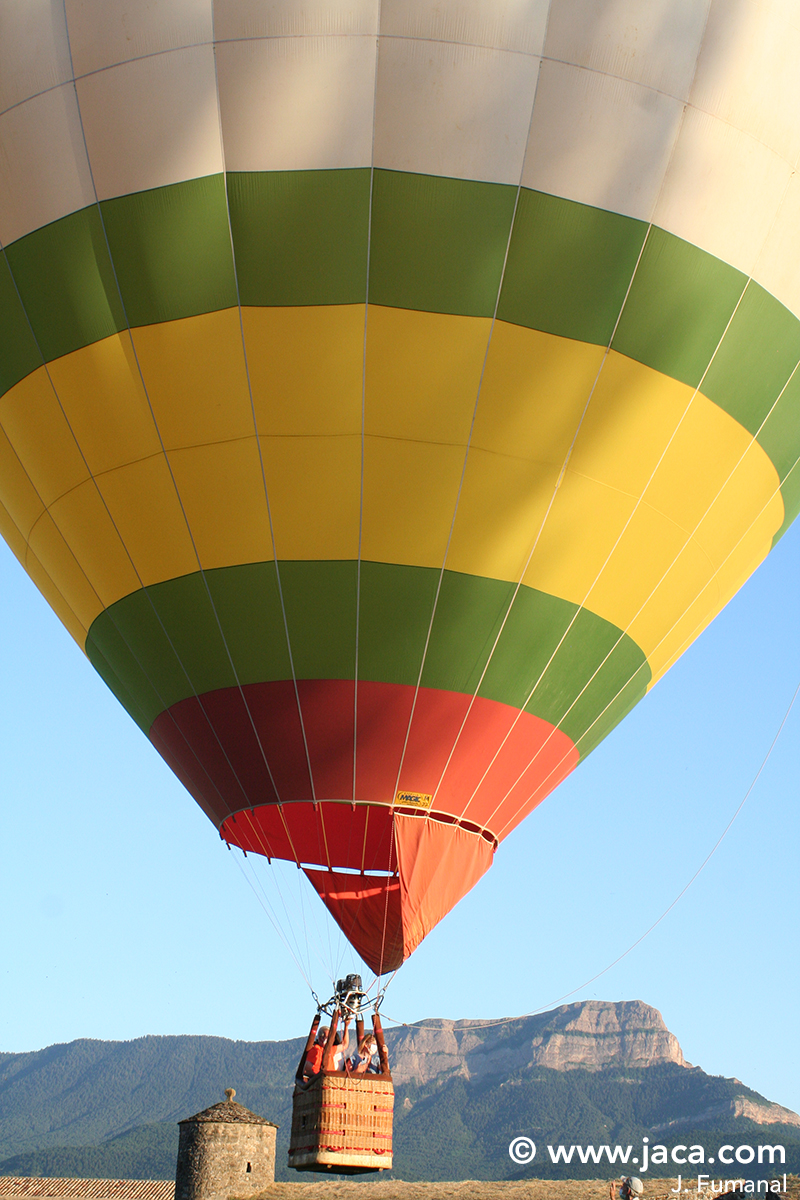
x=362, y=449
x=364, y=408
x=98, y=206
x=352, y=914
x=258, y=438
x=472, y=421
x=690, y=637
x=364, y=841
x=321, y=814
x=772, y=225
x=382, y=861
x=392, y=847
x=108, y=611
x=565, y=463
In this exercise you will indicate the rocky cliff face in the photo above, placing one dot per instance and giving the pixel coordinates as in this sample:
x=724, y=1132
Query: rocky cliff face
x=588, y=1035
x=740, y=1106
x=764, y=1114
x=591, y=1035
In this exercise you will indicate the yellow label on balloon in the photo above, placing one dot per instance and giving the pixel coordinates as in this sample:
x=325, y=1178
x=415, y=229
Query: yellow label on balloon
x=413, y=800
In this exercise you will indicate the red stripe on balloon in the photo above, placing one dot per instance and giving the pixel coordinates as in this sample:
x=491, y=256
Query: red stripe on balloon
x=238, y=749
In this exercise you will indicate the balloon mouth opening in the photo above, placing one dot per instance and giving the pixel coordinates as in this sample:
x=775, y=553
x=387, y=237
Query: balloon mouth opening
x=248, y=829
x=394, y=873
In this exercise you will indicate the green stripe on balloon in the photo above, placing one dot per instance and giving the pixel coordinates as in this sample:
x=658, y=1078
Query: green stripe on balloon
x=20, y=355
x=437, y=245
x=754, y=362
x=164, y=644
x=67, y=287
x=171, y=250
x=569, y=267
x=312, y=249
x=679, y=305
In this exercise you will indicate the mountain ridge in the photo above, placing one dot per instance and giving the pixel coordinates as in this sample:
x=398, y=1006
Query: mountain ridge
x=586, y=1036
x=591, y=1072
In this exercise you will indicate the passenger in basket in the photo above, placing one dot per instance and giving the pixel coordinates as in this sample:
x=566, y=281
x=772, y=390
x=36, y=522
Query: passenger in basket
x=313, y=1063
x=342, y=1046
x=363, y=1059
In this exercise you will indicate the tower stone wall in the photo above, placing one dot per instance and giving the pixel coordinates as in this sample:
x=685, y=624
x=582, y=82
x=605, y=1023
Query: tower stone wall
x=226, y=1150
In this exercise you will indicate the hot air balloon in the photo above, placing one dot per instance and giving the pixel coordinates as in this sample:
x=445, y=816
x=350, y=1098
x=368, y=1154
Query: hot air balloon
x=391, y=393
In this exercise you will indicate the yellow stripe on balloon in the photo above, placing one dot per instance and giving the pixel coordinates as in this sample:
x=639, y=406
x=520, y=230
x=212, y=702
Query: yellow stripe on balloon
x=750, y=547
x=314, y=492
x=196, y=379
x=35, y=425
x=410, y=490
x=100, y=389
x=54, y=563
x=643, y=528
x=20, y=548
x=19, y=497
x=657, y=476
x=423, y=375
x=306, y=368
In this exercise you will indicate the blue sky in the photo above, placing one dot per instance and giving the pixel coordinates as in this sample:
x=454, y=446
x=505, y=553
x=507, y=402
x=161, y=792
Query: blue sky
x=125, y=915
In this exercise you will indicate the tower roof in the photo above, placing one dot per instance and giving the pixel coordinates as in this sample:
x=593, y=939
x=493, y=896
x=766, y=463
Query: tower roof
x=228, y=1112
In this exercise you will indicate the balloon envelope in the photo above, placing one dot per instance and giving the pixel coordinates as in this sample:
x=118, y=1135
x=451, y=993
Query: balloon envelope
x=390, y=394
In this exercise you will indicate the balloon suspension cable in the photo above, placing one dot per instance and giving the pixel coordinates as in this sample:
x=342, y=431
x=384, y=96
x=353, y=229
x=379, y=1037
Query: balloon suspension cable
x=381, y=993
x=261, y=897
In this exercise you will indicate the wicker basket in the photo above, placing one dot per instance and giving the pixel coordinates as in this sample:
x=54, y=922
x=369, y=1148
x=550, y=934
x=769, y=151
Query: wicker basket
x=343, y=1124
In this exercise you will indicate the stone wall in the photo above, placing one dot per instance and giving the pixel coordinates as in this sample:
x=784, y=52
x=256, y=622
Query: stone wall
x=221, y=1160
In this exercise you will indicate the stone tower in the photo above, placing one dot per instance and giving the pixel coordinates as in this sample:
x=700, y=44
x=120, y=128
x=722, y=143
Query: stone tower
x=224, y=1151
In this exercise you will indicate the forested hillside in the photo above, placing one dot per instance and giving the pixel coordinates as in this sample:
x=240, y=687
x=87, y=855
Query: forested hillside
x=463, y=1092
